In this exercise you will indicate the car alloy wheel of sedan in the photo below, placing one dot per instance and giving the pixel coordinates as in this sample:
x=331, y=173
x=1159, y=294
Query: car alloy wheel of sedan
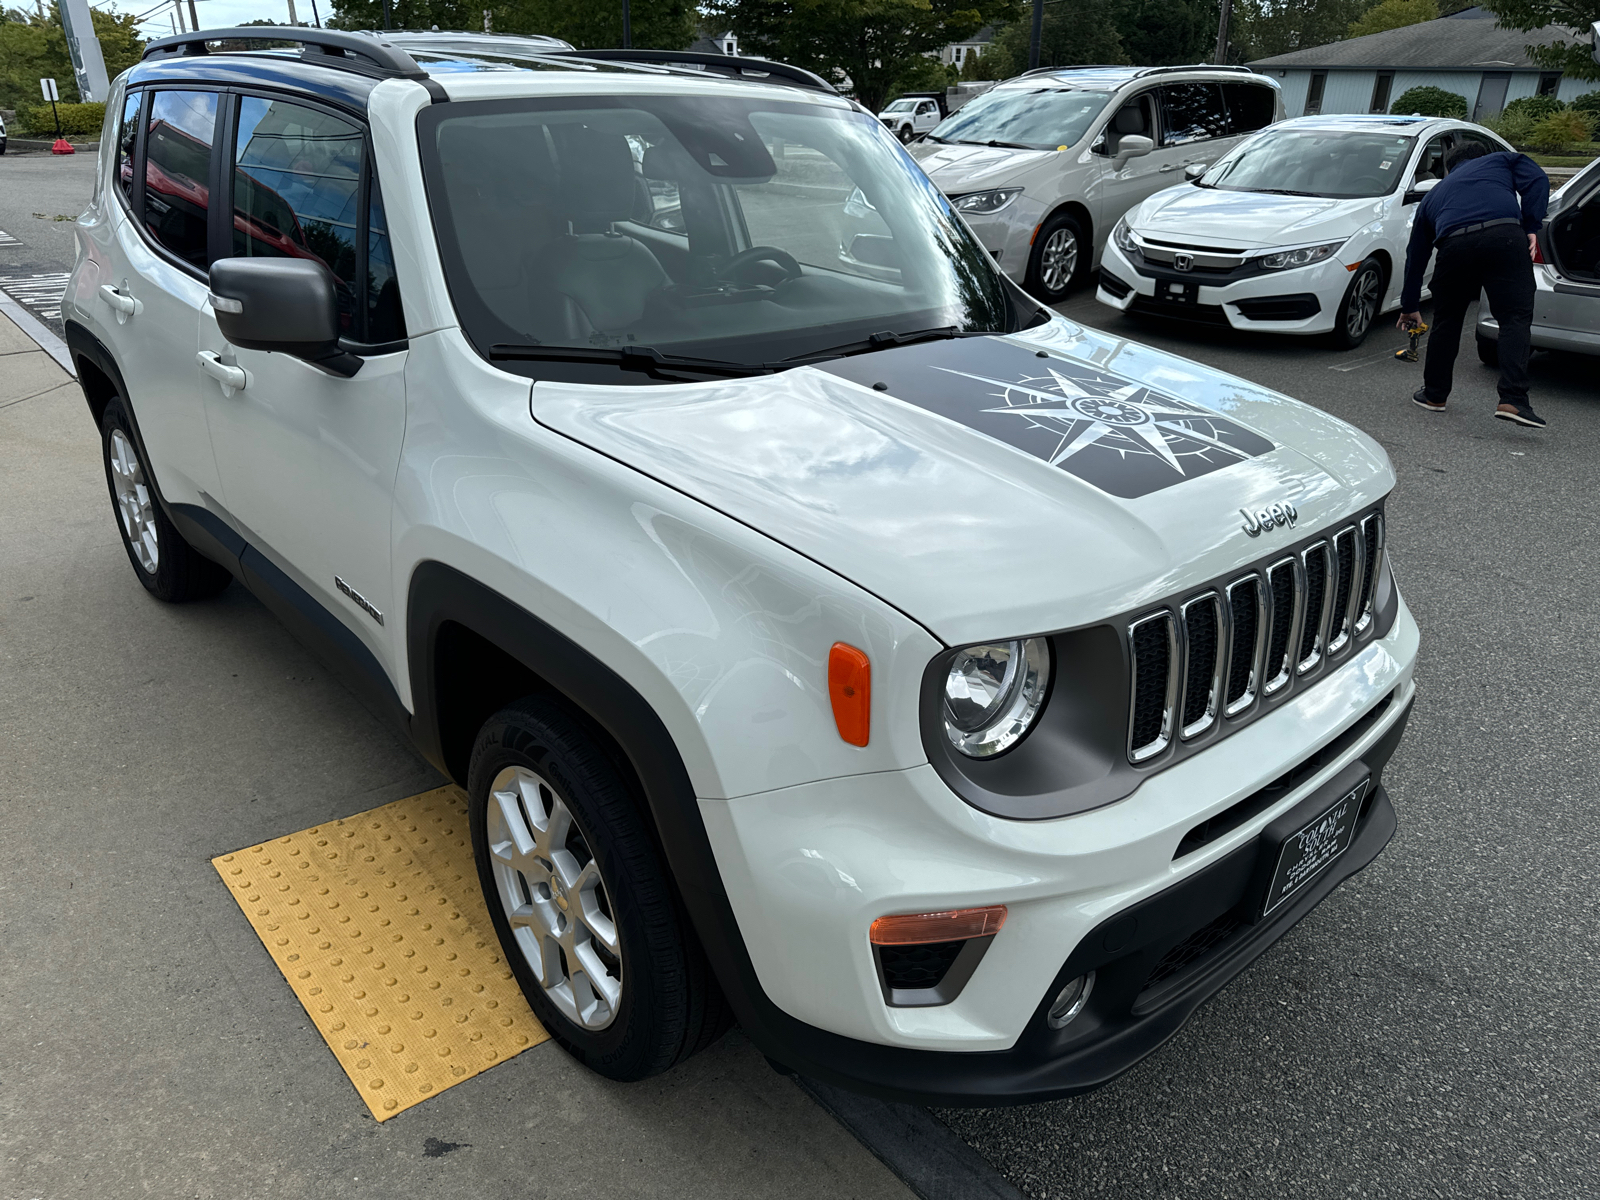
x=554, y=898
x=1364, y=305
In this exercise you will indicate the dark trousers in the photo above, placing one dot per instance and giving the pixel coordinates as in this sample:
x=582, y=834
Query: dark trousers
x=1493, y=261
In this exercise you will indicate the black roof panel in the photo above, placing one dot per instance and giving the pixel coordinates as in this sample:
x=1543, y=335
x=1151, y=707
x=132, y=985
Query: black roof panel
x=259, y=69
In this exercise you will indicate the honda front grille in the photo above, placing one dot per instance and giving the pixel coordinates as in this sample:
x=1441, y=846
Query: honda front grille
x=1215, y=655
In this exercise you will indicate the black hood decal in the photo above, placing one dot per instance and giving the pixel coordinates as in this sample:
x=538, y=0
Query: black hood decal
x=1110, y=431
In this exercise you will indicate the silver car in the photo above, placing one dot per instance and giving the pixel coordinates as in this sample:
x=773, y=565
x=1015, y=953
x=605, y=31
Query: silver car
x=1566, y=275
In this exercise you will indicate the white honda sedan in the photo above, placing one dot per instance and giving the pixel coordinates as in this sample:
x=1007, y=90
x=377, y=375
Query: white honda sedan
x=1300, y=229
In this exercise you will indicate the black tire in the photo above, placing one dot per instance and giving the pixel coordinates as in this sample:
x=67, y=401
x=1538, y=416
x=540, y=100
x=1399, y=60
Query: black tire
x=671, y=1006
x=1358, y=310
x=170, y=569
x=905, y=134
x=1059, y=235
x=1488, y=351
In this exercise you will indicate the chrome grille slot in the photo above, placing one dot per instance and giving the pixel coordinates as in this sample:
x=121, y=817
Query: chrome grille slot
x=1316, y=563
x=1202, y=663
x=1285, y=596
x=1347, y=566
x=1372, y=558
x=1247, y=618
x=1153, y=649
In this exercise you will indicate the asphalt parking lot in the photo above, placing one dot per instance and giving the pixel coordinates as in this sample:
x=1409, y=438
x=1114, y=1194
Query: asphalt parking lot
x=1432, y=1029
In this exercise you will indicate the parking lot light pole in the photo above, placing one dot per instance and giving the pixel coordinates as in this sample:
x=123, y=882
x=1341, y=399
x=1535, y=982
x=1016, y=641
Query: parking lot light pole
x=627, y=26
x=1038, y=33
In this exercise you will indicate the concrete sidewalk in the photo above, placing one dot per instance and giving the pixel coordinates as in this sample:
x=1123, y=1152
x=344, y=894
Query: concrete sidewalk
x=148, y=1045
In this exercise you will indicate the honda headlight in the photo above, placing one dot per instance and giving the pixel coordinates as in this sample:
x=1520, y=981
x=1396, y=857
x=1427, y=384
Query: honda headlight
x=1123, y=237
x=984, y=203
x=1305, y=256
x=994, y=694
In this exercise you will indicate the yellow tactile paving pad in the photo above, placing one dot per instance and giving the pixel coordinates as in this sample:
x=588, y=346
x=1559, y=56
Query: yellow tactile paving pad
x=379, y=926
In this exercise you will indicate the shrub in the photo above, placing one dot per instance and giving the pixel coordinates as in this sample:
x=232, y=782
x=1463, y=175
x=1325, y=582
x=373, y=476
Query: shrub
x=1535, y=108
x=1589, y=102
x=1430, y=102
x=1515, y=127
x=77, y=120
x=1560, y=130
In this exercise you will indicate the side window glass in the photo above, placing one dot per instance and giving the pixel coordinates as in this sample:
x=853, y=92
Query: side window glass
x=177, y=171
x=1136, y=116
x=297, y=189
x=1250, y=106
x=385, y=323
x=1431, y=164
x=1194, y=112
x=127, y=137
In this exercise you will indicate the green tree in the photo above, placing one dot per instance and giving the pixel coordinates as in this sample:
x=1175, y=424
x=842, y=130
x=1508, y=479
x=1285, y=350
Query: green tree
x=1159, y=33
x=1394, y=14
x=872, y=42
x=1073, y=33
x=405, y=14
x=35, y=49
x=1574, y=57
x=1262, y=28
x=589, y=24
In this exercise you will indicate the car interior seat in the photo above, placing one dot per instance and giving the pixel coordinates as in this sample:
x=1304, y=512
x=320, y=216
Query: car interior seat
x=606, y=277
x=1132, y=117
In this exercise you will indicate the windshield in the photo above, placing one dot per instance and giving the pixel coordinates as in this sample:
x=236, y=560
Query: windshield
x=1335, y=164
x=901, y=106
x=1028, y=118
x=744, y=231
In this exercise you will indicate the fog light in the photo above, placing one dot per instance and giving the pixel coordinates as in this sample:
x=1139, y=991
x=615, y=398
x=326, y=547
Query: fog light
x=1070, y=1001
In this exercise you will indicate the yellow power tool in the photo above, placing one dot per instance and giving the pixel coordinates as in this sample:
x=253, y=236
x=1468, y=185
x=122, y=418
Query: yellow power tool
x=1409, y=354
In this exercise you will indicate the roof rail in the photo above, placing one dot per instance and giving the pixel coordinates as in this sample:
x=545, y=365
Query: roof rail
x=1141, y=72
x=332, y=47
x=1197, y=67
x=732, y=66
x=1078, y=67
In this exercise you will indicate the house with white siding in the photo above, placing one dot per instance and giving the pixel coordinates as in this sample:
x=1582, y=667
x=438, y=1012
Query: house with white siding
x=1465, y=52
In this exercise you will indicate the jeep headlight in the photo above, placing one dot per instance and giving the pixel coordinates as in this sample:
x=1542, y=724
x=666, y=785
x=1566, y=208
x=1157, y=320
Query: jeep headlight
x=1305, y=256
x=993, y=694
x=984, y=203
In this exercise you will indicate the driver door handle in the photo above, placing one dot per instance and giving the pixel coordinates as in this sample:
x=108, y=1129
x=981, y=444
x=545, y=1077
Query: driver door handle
x=233, y=379
x=124, y=305
x=1169, y=167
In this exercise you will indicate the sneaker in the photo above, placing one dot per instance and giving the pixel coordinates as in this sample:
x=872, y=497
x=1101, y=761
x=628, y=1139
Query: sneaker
x=1521, y=414
x=1422, y=401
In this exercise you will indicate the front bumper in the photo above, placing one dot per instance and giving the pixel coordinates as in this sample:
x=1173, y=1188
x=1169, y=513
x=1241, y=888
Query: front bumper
x=1008, y=234
x=1566, y=314
x=1304, y=300
x=806, y=869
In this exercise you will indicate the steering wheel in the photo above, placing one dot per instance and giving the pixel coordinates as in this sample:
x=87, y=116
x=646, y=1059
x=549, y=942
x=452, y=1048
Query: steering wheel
x=771, y=254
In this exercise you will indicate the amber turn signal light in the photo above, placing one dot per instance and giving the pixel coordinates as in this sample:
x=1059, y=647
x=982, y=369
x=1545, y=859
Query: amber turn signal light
x=954, y=926
x=850, y=690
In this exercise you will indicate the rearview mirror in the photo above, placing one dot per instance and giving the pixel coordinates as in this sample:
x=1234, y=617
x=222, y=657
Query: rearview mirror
x=1419, y=189
x=1132, y=145
x=1194, y=170
x=287, y=305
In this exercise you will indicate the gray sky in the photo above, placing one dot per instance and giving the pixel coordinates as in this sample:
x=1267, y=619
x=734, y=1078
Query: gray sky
x=213, y=14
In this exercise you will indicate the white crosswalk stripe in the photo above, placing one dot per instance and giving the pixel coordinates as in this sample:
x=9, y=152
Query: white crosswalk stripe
x=40, y=293
x=7, y=240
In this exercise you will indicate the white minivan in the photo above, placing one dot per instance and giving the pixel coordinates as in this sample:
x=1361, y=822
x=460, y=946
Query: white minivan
x=1042, y=166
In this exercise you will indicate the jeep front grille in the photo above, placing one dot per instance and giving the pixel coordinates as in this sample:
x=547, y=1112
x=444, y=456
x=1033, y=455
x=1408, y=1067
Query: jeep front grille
x=1213, y=656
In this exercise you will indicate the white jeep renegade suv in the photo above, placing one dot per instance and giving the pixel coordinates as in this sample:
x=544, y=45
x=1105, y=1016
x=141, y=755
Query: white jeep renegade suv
x=827, y=637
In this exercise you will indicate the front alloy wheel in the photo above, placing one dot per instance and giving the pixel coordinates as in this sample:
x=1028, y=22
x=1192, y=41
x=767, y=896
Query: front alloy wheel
x=1056, y=257
x=1359, y=307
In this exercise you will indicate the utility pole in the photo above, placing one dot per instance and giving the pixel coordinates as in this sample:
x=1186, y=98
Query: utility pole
x=315, y=16
x=1038, y=33
x=194, y=18
x=177, y=9
x=293, y=19
x=386, y=14
x=1222, y=32
x=627, y=26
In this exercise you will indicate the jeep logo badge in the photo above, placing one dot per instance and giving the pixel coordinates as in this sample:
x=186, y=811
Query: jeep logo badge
x=1183, y=262
x=1258, y=522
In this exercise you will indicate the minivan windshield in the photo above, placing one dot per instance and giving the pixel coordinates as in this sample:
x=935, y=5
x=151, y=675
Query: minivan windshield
x=1026, y=118
x=735, y=232
x=1332, y=163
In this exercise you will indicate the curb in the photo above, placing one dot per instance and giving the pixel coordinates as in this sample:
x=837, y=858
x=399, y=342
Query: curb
x=30, y=144
x=43, y=336
x=918, y=1147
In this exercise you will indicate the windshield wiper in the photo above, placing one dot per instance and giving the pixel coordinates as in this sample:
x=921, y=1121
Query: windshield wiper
x=886, y=340
x=999, y=145
x=1283, y=192
x=629, y=358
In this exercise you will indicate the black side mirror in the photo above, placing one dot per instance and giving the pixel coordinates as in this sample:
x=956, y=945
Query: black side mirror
x=288, y=305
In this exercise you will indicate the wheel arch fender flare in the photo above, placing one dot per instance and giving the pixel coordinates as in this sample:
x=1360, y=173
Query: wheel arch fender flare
x=1079, y=212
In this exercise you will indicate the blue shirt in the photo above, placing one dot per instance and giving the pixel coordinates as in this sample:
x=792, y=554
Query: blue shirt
x=1495, y=186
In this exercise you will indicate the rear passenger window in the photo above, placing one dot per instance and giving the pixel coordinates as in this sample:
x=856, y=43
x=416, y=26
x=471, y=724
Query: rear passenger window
x=297, y=189
x=177, y=171
x=1250, y=106
x=384, y=320
x=127, y=137
x=1194, y=112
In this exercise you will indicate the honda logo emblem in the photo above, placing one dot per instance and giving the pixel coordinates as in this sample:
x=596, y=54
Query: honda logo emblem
x=1183, y=262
